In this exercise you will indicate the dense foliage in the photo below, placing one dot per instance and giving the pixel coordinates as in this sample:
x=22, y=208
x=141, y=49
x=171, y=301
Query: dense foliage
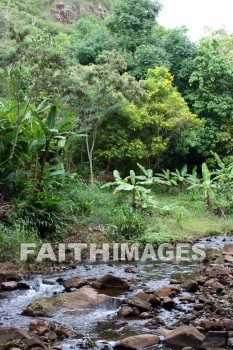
x=99, y=87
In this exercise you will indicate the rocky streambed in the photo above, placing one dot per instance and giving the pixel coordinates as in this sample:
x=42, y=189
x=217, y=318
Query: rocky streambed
x=160, y=306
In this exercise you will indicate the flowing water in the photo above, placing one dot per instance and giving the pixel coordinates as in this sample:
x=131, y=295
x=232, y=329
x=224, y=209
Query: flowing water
x=85, y=321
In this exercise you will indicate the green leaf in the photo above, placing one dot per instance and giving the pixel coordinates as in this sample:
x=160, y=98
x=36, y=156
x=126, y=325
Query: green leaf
x=51, y=120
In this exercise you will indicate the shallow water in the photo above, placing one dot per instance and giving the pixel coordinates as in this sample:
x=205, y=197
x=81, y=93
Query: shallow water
x=84, y=321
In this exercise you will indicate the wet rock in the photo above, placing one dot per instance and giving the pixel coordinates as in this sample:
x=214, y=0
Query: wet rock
x=155, y=322
x=10, y=276
x=49, y=282
x=167, y=291
x=209, y=325
x=136, y=311
x=75, y=282
x=102, y=323
x=174, y=281
x=23, y=285
x=150, y=298
x=228, y=324
x=228, y=258
x=215, y=339
x=8, y=286
x=230, y=342
x=228, y=249
x=63, y=331
x=139, y=303
x=190, y=286
x=9, y=335
x=137, y=342
x=82, y=298
x=168, y=303
x=185, y=336
x=96, y=285
x=187, y=298
x=113, y=282
x=132, y=269
x=125, y=311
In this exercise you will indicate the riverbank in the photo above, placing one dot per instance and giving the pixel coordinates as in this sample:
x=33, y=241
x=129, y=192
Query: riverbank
x=103, y=305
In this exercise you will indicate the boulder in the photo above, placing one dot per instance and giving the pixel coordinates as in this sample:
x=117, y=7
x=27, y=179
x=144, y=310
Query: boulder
x=185, y=336
x=137, y=342
x=228, y=249
x=215, y=340
x=167, y=291
x=209, y=325
x=190, y=286
x=113, y=282
x=10, y=276
x=139, y=303
x=168, y=303
x=23, y=285
x=75, y=282
x=8, y=286
x=11, y=336
x=82, y=298
x=125, y=311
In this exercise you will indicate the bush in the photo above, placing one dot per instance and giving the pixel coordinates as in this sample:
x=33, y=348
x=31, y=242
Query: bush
x=12, y=236
x=127, y=224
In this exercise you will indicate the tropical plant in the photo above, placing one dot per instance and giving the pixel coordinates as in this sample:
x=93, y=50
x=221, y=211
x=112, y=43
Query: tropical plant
x=166, y=179
x=207, y=184
x=180, y=177
x=140, y=195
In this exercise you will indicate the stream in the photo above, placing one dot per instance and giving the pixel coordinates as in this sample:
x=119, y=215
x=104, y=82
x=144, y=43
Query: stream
x=151, y=276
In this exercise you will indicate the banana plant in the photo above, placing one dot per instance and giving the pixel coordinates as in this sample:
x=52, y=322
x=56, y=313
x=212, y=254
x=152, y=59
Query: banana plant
x=140, y=196
x=180, y=177
x=207, y=184
x=166, y=179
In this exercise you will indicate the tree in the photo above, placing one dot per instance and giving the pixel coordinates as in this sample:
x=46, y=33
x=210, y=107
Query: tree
x=99, y=87
x=132, y=22
x=211, y=97
x=147, y=130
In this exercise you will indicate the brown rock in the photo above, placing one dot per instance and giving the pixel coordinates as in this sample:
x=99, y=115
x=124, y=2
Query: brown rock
x=168, y=303
x=8, y=286
x=190, y=286
x=139, y=303
x=113, y=282
x=185, y=336
x=125, y=311
x=137, y=342
x=23, y=285
x=167, y=291
x=82, y=298
x=228, y=249
x=75, y=282
x=215, y=339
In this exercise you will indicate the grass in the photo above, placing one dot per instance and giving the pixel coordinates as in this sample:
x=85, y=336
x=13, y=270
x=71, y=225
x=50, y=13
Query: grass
x=180, y=217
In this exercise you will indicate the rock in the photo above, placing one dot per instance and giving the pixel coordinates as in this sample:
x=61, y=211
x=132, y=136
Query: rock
x=23, y=285
x=209, y=325
x=155, y=322
x=113, y=282
x=228, y=249
x=190, y=286
x=139, y=303
x=136, y=311
x=167, y=291
x=10, y=276
x=137, y=342
x=228, y=324
x=187, y=298
x=230, y=342
x=8, y=286
x=75, y=282
x=228, y=258
x=125, y=311
x=185, y=336
x=102, y=323
x=8, y=335
x=168, y=303
x=64, y=332
x=82, y=298
x=150, y=298
x=132, y=269
x=49, y=282
x=215, y=340
x=96, y=285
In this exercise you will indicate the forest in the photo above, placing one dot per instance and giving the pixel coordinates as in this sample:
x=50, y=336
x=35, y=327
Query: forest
x=112, y=127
